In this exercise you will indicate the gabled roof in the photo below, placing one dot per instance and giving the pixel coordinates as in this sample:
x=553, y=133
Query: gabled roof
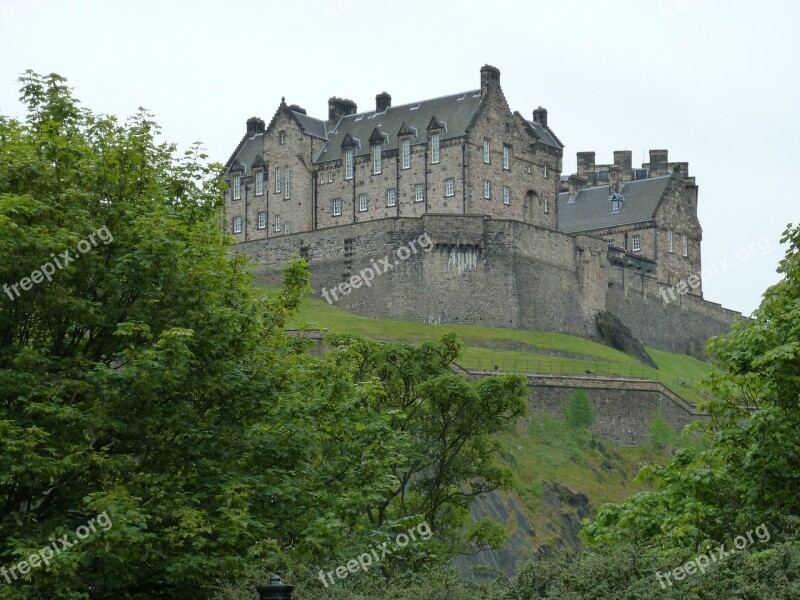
x=246, y=152
x=456, y=111
x=545, y=135
x=313, y=127
x=591, y=208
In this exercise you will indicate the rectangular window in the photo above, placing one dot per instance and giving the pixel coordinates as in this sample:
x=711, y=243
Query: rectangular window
x=506, y=157
x=487, y=189
x=237, y=188
x=486, y=151
x=419, y=192
x=288, y=177
x=262, y=220
x=330, y=177
x=362, y=202
x=406, y=154
x=391, y=197
x=237, y=224
x=637, y=243
x=545, y=171
x=278, y=223
x=337, y=207
x=506, y=195
x=321, y=178
x=348, y=164
x=260, y=183
x=278, y=180
x=376, y=159
x=670, y=241
x=450, y=187
x=435, y=148
x=546, y=206
x=685, y=245
x=612, y=243
x=287, y=227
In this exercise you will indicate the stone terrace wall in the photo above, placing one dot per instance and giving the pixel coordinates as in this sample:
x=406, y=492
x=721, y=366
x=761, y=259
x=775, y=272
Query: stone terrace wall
x=480, y=271
x=683, y=325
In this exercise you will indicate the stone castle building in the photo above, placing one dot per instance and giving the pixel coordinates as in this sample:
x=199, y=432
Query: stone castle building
x=515, y=244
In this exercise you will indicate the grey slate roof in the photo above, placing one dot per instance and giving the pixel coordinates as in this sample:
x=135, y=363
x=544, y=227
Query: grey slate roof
x=455, y=112
x=247, y=151
x=312, y=126
x=591, y=208
x=545, y=136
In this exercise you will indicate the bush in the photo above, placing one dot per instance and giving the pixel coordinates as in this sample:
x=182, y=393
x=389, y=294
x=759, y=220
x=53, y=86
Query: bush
x=578, y=412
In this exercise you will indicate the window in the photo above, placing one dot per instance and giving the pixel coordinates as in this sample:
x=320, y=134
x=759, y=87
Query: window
x=487, y=189
x=637, y=243
x=348, y=164
x=486, y=151
x=391, y=197
x=435, y=145
x=321, y=178
x=450, y=187
x=237, y=224
x=262, y=220
x=330, y=177
x=288, y=177
x=260, y=183
x=406, y=154
x=685, y=245
x=237, y=188
x=278, y=180
x=545, y=171
x=287, y=227
x=506, y=157
x=278, y=223
x=670, y=241
x=337, y=207
x=419, y=192
x=362, y=202
x=615, y=205
x=506, y=195
x=602, y=176
x=546, y=206
x=612, y=243
x=376, y=159
x=282, y=137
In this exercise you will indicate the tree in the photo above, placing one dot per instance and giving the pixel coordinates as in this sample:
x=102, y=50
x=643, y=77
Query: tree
x=578, y=413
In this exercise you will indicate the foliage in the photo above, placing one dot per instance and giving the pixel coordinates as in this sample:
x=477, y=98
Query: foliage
x=661, y=433
x=578, y=412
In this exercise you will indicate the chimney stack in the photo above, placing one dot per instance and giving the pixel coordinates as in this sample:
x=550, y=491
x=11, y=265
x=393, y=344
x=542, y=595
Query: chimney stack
x=382, y=101
x=614, y=177
x=255, y=125
x=576, y=184
x=659, y=163
x=540, y=116
x=490, y=77
x=586, y=165
x=340, y=107
x=624, y=160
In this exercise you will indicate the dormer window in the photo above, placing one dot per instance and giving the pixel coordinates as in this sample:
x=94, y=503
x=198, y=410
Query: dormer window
x=237, y=188
x=406, y=154
x=377, y=155
x=615, y=206
x=348, y=164
x=616, y=202
x=260, y=183
x=435, y=148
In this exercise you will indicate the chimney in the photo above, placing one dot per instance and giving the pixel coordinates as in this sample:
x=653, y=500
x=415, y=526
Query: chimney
x=614, y=177
x=338, y=108
x=624, y=160
x=254, y=126
x=540, y=116
x=576, y=184
x=382, y=101
x=586, y=164
x=490, y=77
x=659, y=163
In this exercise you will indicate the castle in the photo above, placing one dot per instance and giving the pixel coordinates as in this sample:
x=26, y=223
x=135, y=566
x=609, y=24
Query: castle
x=513, y=242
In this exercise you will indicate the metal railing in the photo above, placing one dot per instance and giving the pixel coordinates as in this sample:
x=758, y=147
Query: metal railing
x=556, y=367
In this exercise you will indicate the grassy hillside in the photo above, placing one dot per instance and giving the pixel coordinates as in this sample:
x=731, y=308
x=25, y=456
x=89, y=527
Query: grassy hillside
x=517, y=350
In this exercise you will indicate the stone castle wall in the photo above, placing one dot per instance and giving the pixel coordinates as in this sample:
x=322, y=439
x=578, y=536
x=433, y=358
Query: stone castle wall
x=482, y=271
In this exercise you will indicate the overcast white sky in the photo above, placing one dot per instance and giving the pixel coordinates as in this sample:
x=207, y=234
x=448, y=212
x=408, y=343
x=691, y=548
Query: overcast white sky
x=715, y=82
